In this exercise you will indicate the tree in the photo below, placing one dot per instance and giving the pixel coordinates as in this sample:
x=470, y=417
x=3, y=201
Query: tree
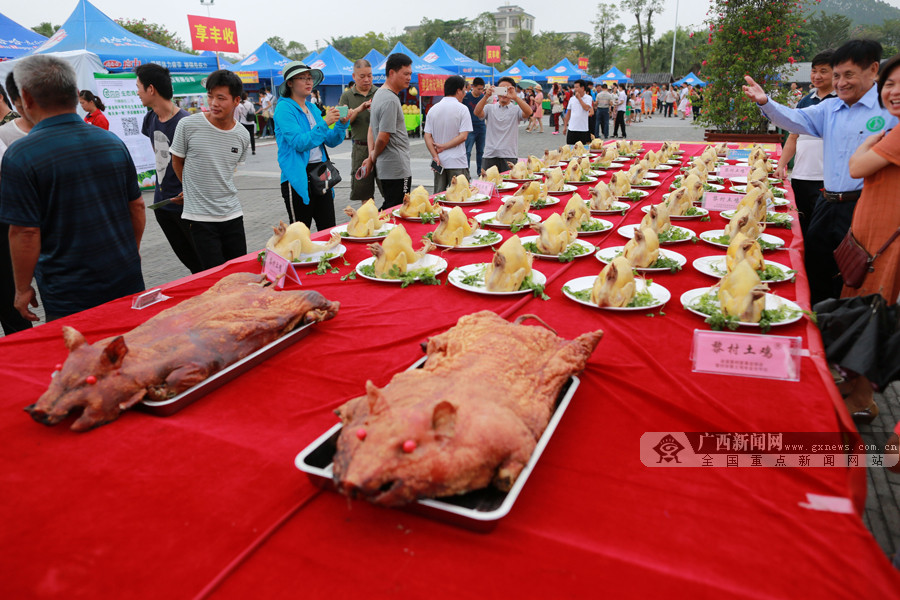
x=827, y=32
x=690, y=50
x=46, y=29
x=155, y=33
x=746, y=37
x=524, y=45
x=608, y=36
x=295, y=51
x=642, y=32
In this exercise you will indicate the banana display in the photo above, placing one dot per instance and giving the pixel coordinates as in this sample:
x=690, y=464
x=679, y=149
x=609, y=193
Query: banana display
x=509, y=267
x=453, y=228
x=459, y=190
x=615, y=285
x=742, y=294
x=396, y=251
x=513, y=210
x=602, y=197
x=642, y=250
x=417, y=203
x=365, y=221
x=492, y=175
x=575, y=213
x=553, y=235
x=291, y=241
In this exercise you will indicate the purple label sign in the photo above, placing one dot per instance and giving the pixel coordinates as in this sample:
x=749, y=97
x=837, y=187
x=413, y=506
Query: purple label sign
x=747, y=354
x=729, y=171
x=486, y=187
x=718, y=201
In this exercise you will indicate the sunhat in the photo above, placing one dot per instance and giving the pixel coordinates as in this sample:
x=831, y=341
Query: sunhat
x=292, y=69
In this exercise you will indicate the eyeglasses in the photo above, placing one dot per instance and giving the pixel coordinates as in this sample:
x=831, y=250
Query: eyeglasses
x=303, y=77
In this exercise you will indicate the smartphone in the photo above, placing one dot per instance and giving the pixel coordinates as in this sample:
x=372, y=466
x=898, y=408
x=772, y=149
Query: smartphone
x=342, y=109
x=437, y=168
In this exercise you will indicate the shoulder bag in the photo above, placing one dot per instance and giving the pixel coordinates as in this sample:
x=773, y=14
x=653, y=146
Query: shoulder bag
x=854, y=262
x=323, y=175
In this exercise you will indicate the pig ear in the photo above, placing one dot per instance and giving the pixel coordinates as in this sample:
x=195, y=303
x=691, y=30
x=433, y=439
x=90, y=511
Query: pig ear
x=374, y=397
x=114, y=352
x=73, y=338
x=443, y=419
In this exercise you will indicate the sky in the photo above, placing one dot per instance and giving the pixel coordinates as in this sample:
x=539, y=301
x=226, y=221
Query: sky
x=293, y=20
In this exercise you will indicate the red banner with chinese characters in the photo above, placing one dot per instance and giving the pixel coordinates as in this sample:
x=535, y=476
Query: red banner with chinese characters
x=218, y=35
x=583, y=63
x=628, y=73
x=431, y=85
x=492, y=54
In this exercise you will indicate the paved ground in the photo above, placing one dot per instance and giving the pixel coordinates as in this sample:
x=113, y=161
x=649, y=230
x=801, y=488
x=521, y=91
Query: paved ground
x=259, y=180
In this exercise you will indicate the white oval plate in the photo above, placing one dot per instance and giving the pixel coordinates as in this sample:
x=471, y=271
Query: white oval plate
x=396, y=213
x=651, y=175
x=567, y=189
x=380, y=233
x=661, y=168
x=641, y=194
x=714, y=266
x=529, y=180
x=484, y=217
x=744, y=180
x=652, y=184
x=729, y=214
x=473, y=199
x=709, y=235
x=702, y=212
x=456, y=276
x=660, y=294
x=715, y=187
x=606, y=255
x=313, y=258
x=617, y=208
x=548, y=201
x=429, y=260
x=507, y=185
x=627, y=231
x=742, y=189
x=471, y=242
x=597, y=173
x=590, y=179
x=588, y=247
x=773, y=302
x=606, y=227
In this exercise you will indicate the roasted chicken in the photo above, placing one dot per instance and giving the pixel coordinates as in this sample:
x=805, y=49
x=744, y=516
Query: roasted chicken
x=743, y=248
x=492, y=175
x=742, y=294
x=575, y=213
x=657, y=219
x=459, y=190
x=513, y=210
x=554, y=236
x=365, y=221
x=602, y=197
x=509, y=267
x=642, y=250
x=555, y=180
x=620, y=183
x=615, y=284
x=453, y=228
x=396, y=251
x=292, y=241
x=417, y=203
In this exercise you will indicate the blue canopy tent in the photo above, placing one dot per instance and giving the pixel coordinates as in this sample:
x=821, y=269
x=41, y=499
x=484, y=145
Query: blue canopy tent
x=309, y=57
x=374, y=57
x=120, y=50
x=614, y=74
x=267, y=63
x=519, y=70
x=338, y=72
x=445, y=56
x=17, y=41
x=418, y=66
x=536, y=74
x=222, y=60
x=690, y=79
x=564, y=68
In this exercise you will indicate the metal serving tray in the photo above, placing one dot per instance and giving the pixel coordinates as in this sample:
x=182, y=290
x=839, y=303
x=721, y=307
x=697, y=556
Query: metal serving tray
x=164, y=408
x=479, y=510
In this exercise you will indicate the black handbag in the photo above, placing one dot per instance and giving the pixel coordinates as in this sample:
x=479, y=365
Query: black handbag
x=323, y=175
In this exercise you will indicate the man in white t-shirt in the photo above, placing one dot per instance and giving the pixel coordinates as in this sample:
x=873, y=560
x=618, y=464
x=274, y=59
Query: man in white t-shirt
x=446, y=130
x=578, y=113
x=501, y=144
x=621, y=104
x=267, y=110
x=206, y=149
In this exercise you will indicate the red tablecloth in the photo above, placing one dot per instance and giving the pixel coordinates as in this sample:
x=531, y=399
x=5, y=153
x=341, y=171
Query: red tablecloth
x=208, y=500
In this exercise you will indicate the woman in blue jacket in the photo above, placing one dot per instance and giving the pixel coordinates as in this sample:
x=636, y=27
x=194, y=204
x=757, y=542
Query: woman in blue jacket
x=302, y=134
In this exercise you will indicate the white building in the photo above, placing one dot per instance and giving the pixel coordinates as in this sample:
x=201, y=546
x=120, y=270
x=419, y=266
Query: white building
x=510, y=19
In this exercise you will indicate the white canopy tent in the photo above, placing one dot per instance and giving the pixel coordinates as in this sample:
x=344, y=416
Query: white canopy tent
x=85, y=64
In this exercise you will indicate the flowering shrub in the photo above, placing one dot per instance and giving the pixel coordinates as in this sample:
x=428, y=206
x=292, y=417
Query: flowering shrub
x=746, y=37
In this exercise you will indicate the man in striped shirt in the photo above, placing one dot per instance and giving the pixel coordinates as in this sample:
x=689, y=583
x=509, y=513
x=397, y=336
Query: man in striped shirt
x=206, y=149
